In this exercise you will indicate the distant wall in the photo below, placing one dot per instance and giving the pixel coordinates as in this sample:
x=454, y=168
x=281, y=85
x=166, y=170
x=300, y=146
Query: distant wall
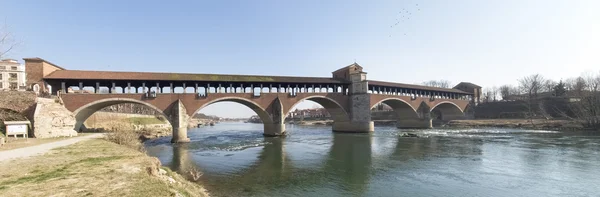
x=551, y=107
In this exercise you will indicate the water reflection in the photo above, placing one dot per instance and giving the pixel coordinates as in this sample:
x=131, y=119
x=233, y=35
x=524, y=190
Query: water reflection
x=315, y=162
x=349, y=161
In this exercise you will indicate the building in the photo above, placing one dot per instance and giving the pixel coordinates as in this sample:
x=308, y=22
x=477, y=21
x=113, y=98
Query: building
x=470, y=88
x=12, y=75
x=309, y=113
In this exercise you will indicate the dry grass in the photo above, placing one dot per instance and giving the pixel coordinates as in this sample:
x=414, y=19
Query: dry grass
x=16, y=100
x=91, y=168
x=127, y=138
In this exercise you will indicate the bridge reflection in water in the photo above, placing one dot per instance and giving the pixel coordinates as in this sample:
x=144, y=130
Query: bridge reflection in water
x=348, y=163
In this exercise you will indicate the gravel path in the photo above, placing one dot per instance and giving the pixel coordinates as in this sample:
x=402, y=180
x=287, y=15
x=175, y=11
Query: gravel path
x=42, y=148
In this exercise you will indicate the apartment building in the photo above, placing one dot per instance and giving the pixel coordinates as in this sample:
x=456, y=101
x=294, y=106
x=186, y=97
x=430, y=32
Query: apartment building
x=12, y=75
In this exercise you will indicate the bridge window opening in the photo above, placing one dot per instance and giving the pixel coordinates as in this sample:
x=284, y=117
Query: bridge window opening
x=190, y=89
x=178, y=90
x=73, y=89
x=103, y=90
x=118, y=90
x=141, y=90
x=257, y=93
x=125, y=117
x=201, y=91
x=154, y=90
x=88, y=89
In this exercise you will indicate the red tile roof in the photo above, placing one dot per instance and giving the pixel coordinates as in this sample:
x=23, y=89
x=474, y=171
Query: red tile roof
x=142, y=76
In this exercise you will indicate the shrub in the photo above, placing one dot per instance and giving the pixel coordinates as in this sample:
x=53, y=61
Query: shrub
x=127, y=138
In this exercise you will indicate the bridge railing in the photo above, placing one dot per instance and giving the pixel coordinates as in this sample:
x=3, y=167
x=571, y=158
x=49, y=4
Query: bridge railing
x=202, y=89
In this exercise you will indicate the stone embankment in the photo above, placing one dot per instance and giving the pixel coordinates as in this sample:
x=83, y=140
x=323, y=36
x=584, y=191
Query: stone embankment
x=52, y=119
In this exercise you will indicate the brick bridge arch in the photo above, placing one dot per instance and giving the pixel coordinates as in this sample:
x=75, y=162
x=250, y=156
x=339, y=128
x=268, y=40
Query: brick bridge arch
x=416, y=112
x=257, y=108
x=335, y=108
x=84, y=112
x=271, y=107
x=402, y=108
x=449, y=110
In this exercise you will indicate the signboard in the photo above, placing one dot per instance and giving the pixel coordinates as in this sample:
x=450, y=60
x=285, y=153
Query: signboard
x=16, y=129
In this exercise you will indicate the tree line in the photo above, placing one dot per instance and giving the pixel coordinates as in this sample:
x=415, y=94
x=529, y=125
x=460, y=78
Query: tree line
x=582, y=94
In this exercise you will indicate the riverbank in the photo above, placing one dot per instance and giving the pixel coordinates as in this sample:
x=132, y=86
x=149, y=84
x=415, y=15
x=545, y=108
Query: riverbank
x=92, y=168
x=562, y=125
x=536, y=124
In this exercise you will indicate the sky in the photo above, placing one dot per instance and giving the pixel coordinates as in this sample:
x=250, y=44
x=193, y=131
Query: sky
x=489, y=43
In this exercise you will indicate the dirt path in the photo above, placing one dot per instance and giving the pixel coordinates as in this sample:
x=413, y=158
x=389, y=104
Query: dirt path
x=42, y=148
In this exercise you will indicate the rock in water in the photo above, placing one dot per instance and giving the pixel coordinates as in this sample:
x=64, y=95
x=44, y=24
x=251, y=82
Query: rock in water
x=409, y=135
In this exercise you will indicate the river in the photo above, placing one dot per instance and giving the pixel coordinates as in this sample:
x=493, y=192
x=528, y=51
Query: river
x=312, y=161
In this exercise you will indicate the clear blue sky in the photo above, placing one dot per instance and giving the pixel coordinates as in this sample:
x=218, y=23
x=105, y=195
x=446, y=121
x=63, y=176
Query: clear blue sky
x=484, y=42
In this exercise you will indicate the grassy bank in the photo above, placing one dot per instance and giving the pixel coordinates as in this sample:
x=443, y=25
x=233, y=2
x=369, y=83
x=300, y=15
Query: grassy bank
x=92, y=168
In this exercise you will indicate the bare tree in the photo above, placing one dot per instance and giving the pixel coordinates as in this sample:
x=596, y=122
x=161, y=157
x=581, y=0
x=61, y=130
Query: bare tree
x=576, y=85
x=531, y=86
x=495, y=90
x=488, y=95
x=587, y=109
x=7, y=41
x=548, y=85
x=506, y=91
x=438, y=83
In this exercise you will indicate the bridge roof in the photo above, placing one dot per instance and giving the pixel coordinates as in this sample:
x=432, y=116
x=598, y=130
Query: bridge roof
x=417, y=87
x=150, y=76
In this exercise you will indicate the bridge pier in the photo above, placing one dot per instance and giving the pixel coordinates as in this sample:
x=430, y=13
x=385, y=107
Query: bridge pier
x=353, y=127
x=421, y=121
x=276, y=126
x=274, y=129
x=360, y=110
x=179, y=123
